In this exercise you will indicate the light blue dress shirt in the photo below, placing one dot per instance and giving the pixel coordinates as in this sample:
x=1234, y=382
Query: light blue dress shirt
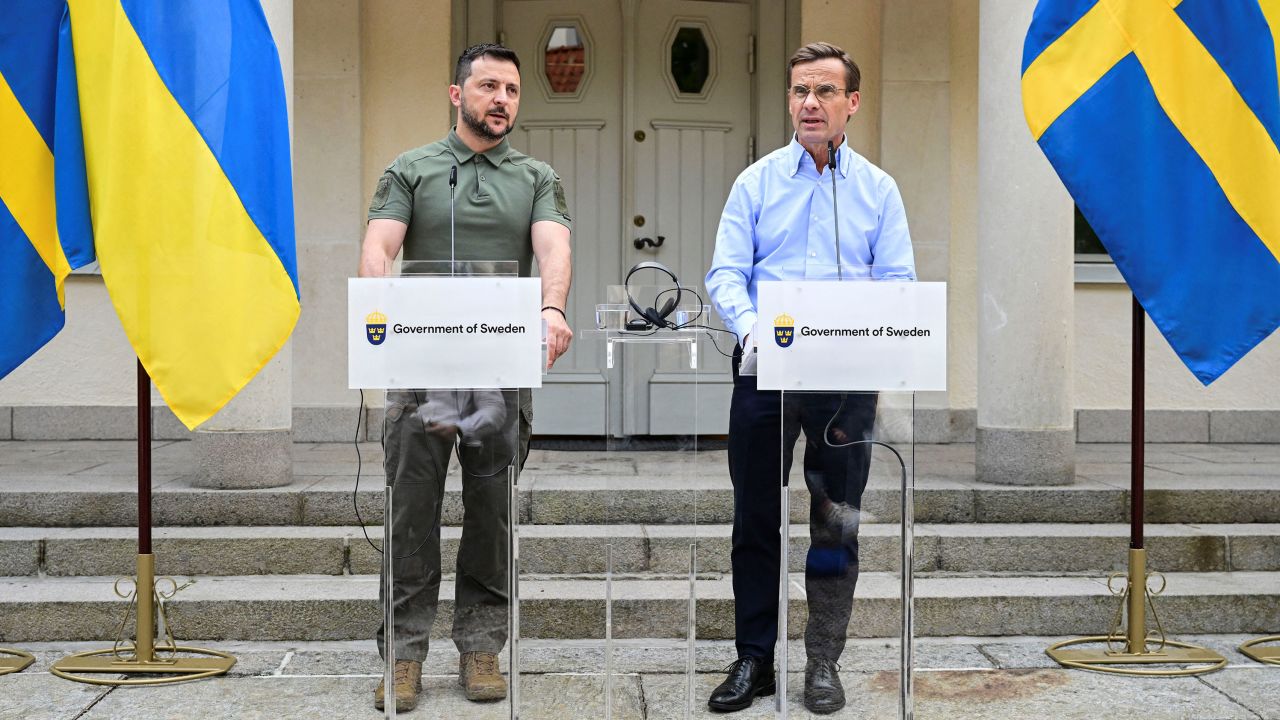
x=778, y=225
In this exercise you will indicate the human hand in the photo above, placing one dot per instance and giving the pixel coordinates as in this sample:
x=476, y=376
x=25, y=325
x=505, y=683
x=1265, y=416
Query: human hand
x=558, y=335
x=441, y=429
x=748, y=365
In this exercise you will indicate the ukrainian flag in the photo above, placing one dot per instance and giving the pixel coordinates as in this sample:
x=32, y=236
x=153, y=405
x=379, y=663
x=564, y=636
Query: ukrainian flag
x=1162, y=117
x=41, y=158
x=186, y=140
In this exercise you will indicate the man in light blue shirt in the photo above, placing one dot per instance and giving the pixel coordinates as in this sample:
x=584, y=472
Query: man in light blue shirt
x=779, y=223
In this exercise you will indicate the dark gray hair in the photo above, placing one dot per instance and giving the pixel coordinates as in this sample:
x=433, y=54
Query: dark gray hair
x=822, y=50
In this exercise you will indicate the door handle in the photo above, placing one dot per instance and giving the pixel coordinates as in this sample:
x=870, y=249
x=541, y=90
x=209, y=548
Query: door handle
x=640, y=243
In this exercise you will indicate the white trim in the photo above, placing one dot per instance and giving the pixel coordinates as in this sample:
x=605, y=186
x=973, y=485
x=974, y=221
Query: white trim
x=702, y=25
x=1103, y=273
x=709, y=125
x=578, y=23
x=560, y=125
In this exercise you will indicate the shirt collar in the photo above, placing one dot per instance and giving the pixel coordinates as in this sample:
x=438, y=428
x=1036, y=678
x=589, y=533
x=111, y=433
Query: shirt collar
x=495, y=155
x=799, y=155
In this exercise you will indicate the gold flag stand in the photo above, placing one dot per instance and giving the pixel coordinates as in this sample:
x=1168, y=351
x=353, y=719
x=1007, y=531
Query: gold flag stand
x=1129, y=651
x=12, y=661
x=1268, y=655
x=141, y=661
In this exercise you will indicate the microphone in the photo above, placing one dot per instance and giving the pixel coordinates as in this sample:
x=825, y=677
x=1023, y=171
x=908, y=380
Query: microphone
x=835, y=211
x=453, y=184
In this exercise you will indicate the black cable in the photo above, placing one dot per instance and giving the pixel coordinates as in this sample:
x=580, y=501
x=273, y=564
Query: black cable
x=691, y=322
x=716, y=345
x=355, y=493
x=680, y=291
x=826, y=438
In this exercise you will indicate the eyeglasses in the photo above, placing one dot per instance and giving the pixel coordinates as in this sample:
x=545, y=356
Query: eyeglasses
x=824, y=92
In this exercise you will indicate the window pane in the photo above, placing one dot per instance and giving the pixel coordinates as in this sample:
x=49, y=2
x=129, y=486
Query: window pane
x=565, y=60
x=1087, y=242
x=690, y=60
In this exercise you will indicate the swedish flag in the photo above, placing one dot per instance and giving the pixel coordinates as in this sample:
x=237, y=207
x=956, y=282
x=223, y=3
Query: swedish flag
x=1162, y=117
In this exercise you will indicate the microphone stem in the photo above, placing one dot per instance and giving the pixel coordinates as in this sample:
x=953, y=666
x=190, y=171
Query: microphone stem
x=835, y=208
x=453, y=260
x=453, y=187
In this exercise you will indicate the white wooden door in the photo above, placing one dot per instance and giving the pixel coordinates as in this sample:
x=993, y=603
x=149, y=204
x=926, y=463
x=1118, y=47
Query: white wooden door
x=690, y=128
x=644, y=109
x=571, y=117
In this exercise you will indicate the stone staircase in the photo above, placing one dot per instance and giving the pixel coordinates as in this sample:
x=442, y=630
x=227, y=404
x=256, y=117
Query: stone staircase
x=292, y=564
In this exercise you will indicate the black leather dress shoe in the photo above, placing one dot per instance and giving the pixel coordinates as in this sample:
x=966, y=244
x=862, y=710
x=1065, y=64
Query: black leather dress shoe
x=748, y=677
x=823, y=692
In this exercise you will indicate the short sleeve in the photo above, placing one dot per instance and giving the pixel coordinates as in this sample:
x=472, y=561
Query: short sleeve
x=548, y=200
x=392, y=199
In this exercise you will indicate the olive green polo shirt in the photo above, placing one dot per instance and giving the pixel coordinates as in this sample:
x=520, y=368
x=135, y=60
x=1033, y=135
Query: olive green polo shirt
x=500, y=194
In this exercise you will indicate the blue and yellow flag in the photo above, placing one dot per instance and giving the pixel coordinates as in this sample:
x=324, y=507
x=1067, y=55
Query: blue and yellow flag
x=1162, y=117
x=186, y=140
x=41, y=158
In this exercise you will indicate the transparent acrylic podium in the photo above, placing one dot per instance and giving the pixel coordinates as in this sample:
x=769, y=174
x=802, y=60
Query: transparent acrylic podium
x=843, y=429
x=452, y=465
x=647, y=568
x=848, y=539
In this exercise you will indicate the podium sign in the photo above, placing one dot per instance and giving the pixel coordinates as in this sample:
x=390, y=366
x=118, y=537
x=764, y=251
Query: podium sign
x=857, y=335
x=444, y=332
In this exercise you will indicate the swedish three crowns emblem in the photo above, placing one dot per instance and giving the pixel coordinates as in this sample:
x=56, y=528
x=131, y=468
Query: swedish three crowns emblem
x=784, y=328
x=375, y=327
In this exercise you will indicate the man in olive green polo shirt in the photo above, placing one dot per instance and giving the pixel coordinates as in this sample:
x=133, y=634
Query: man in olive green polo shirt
x=508, y=207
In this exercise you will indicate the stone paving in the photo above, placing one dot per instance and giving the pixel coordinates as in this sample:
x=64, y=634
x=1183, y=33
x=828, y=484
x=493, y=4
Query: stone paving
x=1223, y=498
x=1001, y=678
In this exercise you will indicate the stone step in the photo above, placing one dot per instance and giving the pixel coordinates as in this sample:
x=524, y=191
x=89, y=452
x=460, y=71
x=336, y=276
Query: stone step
x=345, y=608
x=1061, y=548
x=89, y=500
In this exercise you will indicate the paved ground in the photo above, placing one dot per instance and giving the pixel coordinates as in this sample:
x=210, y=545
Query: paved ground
x=1000, y=678
x=960, y=678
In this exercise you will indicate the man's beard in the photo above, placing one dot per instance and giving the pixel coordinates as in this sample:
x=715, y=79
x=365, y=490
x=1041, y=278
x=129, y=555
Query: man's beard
x=479, y=127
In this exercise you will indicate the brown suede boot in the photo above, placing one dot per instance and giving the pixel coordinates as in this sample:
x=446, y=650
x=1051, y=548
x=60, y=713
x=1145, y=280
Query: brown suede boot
x=479, y=677
x=408, y=680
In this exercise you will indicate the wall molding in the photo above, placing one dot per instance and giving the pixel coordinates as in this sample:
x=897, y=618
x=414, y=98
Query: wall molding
x=561, y=125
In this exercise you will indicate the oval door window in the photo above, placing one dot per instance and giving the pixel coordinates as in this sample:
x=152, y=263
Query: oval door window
x=690, y=60
x=565, y=60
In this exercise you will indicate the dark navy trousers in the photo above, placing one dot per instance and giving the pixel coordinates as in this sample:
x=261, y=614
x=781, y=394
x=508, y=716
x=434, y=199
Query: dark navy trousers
x=762, y=434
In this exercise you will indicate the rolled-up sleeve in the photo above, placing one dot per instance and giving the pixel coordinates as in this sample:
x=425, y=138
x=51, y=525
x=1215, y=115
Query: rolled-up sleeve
x=891, y=253
x=733, y=260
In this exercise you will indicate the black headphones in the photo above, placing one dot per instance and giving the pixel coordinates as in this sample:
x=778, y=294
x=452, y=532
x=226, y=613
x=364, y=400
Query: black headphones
x=652, y=318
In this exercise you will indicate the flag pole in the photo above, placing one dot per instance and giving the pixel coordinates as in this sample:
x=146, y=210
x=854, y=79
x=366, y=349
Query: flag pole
x=160, y=664
x=1127, y=650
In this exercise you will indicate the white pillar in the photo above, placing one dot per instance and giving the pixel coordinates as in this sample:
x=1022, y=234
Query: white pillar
x=249, y=443
x=1026, y=429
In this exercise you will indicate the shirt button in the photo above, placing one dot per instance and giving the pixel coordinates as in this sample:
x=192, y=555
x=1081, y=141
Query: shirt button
x=481, y=178
x=813, y=254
